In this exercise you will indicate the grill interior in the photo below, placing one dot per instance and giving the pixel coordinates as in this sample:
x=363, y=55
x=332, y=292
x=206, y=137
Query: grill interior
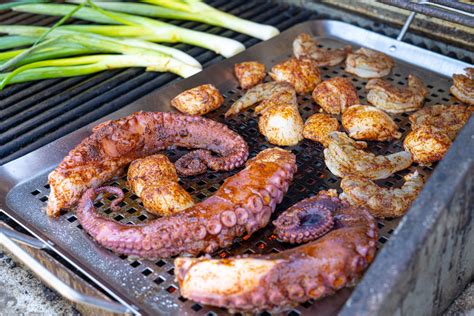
x=34, y=114
x=312, y=176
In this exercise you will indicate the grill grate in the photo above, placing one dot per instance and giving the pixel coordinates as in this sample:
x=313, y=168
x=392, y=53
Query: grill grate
x=36, y=113
x=312, y=176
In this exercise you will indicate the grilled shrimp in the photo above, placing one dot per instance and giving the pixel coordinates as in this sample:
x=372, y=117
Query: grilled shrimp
x=367, y=63
x=427, y=144
x=199, y=100
x=344, y=157
x=382, y=202
x=304, y=46
x=257, y=94
x=335, y=95
x=463, y=86
x=318, y=127
x=393, y=99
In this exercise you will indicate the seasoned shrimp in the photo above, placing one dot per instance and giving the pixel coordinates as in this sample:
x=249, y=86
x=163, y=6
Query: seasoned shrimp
x=257, y=94
x=367, y=63
x=382, y=202
x=318, y=127
x=344, y=157
x=304, y=46
x=463, y=86
x=393, y=99
x=427, y=144
x=249, y=73
x=335, y=95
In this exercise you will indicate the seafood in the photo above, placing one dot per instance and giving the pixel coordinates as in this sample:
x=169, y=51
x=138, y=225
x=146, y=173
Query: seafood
x=249, y=73
x=447, y=118
x=344, y=157
x=280, y=121
x=199, y=100
x=427, y=144
x=308, y=219
x=335, y=95
x=303, y=74
x=365, y=122
x=463, y=86
x=382, y=202
x=318, y=126
x=304, y=46
x=242, y=205
x=258, y=94
x=155, y=181
x=310, y=271
x=367, y=63
x=114, y=144
x=393, y=99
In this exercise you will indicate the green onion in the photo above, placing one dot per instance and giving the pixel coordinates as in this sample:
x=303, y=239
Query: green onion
x=97, y=43
x=7, y=42
x=77, y=66
x=193, y=11
x=163, y=31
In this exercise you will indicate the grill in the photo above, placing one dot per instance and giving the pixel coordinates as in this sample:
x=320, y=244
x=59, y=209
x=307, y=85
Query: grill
x=44, y=111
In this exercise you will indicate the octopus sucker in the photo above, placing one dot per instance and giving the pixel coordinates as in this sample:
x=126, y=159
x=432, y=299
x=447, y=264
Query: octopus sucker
x=114, y=144
x=272, y=282
x=235, y=209
x=307, y=220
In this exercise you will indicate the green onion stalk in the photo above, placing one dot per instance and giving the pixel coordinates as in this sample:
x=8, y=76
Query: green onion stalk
x=7, y=42
x=190, y=10
x=75, y=43
x=163, y=32
x=84, y=65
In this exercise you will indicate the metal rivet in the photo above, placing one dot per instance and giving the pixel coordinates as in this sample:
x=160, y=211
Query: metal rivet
x=392, y=48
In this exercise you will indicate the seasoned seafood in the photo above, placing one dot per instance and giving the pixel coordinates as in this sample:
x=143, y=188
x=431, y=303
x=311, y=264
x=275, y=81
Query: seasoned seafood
x=199, y=100
x=447, y=118
x=249, y=73
x=304, y=46
x=242, y=205
x=258, y=94
x=114, y=144
x=303, y=74
x=463, y=86
x=308, y=219
x=310, y=271
x=366, y=122
x=280, y=120
x=427, y=144
x=367, y=63
x=393, y=99
x=318, y=126
x=382, y=202
x=344, y=157
x=155, y=181
x=335, y=95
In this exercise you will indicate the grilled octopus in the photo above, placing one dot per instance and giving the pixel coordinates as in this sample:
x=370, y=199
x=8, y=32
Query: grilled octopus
x=242, y=205
x=114, y=144
x=272, y=282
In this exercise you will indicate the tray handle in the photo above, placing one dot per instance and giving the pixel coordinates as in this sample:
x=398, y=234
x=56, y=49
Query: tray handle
x=8, y=238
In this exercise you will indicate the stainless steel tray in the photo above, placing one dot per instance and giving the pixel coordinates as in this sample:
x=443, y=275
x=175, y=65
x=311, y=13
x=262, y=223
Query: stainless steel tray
x=148, y=287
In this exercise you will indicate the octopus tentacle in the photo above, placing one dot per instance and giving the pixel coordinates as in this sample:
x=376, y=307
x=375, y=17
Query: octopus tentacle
x=233, y=210
x=114, y=144
x=310, y=271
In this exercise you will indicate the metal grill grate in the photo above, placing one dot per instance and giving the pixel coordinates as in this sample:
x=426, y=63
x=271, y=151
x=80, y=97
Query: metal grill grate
x=312, y=176
x=36, y=113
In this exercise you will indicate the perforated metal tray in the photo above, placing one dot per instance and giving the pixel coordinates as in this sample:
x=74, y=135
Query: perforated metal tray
x=148, y=287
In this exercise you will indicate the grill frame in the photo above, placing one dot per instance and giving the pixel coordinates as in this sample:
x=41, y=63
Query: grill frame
x=43, y=160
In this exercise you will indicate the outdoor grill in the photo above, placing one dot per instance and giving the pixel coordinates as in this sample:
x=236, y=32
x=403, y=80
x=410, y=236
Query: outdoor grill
x=424, y=266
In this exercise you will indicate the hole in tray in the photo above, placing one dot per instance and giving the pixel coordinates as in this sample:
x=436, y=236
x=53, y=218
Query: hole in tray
x=307, y=304
x=72, y=218
x=44, y=199
x=108, y=211
x=196, y=307
x=171, y=271
x=118, y=217
x=142, y=217
x=131, y=210
x=383, y=240
x=147, y=272
x=380, y=225
x=160, y=263
x=135, y=264
x=293, y=313
x=35, y=192
x=159, y=280
x=182, y=299
x=46, y=186
x=98, y=204
x=211, y=314
x=123, y=257
x=111, y=197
